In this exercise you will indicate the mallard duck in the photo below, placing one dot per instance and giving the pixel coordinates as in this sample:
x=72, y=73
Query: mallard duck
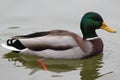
x=63, y=44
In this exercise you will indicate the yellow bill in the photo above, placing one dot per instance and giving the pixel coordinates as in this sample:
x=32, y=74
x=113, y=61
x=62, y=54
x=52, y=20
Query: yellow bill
x=109, y=29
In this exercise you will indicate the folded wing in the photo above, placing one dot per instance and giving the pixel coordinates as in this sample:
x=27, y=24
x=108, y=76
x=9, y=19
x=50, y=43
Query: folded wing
x=49, y=42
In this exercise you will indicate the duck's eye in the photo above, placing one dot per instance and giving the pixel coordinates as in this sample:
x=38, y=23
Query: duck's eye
x=95, y=19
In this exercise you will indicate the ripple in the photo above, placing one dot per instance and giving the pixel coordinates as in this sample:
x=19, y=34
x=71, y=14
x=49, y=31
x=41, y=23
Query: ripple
x=14, y=27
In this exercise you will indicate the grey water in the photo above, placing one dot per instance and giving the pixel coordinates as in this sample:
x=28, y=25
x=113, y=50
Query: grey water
x=26, y=16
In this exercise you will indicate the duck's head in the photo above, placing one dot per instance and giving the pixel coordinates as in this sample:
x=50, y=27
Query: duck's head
x=92, y=21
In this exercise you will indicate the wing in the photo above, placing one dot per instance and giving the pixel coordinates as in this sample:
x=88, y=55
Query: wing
x=55, y=39
x=49, y=42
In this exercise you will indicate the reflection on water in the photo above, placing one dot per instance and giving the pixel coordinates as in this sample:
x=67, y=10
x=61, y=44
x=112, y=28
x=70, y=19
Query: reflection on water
x=89, y=68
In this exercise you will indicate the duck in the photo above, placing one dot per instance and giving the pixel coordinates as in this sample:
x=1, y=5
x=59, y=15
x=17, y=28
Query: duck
x=63, y=44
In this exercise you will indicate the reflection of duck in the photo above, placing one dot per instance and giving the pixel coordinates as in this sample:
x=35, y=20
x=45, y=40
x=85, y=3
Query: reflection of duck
x=52, y=65
x=57, y=65
x=90, y=68
x=61, y=44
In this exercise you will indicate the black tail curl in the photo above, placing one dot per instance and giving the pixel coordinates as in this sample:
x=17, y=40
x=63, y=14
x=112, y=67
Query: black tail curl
x=15, y=43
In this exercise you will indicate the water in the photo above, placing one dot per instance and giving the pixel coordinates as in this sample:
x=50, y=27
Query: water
x=27, y=16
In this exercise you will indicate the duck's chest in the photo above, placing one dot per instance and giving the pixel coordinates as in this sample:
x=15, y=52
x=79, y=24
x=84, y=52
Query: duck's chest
x=97, y=46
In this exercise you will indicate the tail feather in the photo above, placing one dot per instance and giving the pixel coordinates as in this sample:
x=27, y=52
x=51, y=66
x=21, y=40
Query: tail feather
x=15, y=43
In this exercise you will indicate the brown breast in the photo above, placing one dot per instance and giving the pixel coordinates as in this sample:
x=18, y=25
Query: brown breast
x=97, y=46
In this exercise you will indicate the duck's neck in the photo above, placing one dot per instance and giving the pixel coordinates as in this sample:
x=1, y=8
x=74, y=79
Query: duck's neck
x=92, y=38
x=89, y=34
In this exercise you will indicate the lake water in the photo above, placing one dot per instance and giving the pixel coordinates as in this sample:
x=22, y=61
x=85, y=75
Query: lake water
x=27, y=16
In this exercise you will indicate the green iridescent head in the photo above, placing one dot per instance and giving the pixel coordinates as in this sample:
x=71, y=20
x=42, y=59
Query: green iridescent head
x=90, y=22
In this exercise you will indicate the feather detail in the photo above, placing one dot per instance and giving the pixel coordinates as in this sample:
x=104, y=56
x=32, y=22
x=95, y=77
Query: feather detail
x=49, y=42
